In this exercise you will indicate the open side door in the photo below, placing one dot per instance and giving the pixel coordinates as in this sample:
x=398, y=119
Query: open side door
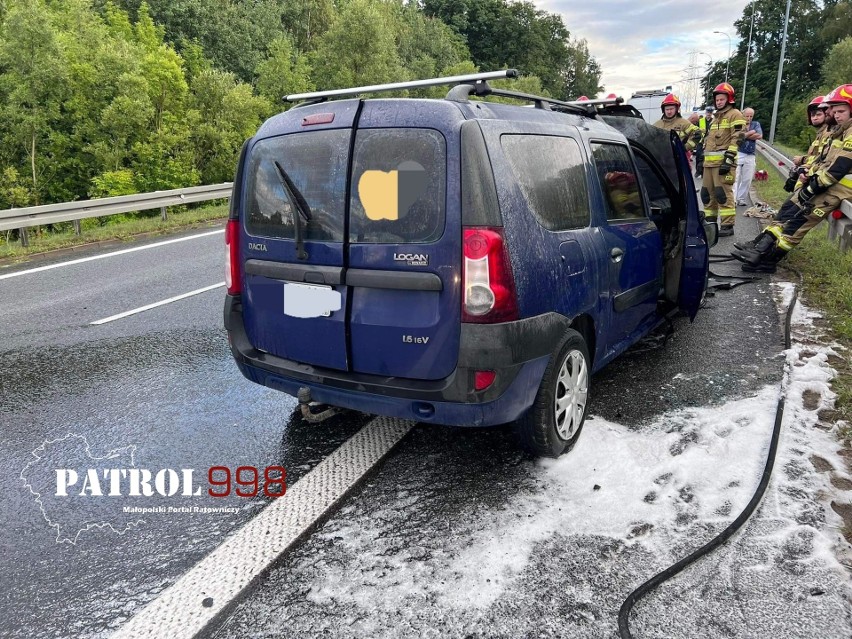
x=696, y=249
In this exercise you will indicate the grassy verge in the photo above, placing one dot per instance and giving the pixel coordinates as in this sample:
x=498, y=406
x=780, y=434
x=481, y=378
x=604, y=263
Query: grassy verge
x=116, y=227
x=787, y=150
x=827, y=285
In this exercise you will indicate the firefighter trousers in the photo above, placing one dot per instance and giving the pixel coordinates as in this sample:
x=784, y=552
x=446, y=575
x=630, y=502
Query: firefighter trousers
x=796, y=219
x=717, y=194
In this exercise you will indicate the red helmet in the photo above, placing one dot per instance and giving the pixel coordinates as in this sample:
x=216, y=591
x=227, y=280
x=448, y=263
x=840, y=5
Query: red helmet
x=583, y=98
x=670, y=100
x=611, y=96
x=841, y=95
x=725, y=88
x=620, y=180
x=815, y=102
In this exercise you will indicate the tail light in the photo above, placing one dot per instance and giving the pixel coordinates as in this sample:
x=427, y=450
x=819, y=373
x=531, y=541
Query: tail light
x=488, y=293
x=483, y=379
x=232, y=257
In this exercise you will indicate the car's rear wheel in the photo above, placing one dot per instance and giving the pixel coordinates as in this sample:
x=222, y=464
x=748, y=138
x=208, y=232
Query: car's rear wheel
x=553, y=425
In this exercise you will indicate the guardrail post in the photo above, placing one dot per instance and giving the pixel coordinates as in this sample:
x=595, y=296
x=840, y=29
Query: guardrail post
x=76, y=227
x=25, y=237
x=163, y=213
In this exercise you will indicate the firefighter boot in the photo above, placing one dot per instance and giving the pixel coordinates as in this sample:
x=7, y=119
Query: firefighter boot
x=753, y=256
x=745, y=246
x=768, y=263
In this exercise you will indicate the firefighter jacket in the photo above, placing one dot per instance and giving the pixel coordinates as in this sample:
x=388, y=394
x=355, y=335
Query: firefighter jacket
x=688, y=133
x=726, y=132
x=835, y=171
x=818, y=148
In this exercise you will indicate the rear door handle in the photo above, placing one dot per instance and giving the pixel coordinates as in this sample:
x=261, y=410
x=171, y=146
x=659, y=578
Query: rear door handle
x=616, y=255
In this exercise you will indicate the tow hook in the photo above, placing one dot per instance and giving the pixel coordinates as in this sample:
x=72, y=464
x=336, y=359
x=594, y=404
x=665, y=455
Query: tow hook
x=308, y=407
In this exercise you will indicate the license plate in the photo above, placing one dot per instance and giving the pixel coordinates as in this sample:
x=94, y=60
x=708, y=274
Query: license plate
x=310, y=300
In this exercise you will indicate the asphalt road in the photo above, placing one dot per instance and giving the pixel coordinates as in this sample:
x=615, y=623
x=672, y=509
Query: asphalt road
x=403, y=555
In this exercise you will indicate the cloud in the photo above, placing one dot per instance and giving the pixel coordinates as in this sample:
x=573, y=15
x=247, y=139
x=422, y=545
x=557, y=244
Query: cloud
x=647, y=46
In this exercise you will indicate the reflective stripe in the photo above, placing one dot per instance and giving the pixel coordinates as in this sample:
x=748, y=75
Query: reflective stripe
x=847, y=181
x=784, y=245
x=713, y=156
x=740, y=122
x=723, y=213
x=825, y=179
x=774, y=231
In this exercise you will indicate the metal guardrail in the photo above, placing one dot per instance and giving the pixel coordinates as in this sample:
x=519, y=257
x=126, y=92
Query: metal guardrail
x=839, y=228
x=23, y=218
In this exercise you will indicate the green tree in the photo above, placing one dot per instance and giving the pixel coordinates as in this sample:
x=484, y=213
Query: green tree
x=32, y=86
x=837, y=68
x=223, y=113
x=501, y=34
x=426, y=46
x=305, y=20
x=234, y=34
x=359, y=48
x=283, y=72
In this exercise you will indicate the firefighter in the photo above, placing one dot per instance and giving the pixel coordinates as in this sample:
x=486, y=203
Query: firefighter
x=820, y=120
x=623, y=193
x=672, y=120
x=720, y=160
x=830, y=183
x=704, y=124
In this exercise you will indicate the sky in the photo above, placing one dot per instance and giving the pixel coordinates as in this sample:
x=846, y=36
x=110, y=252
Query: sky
x=646, y=45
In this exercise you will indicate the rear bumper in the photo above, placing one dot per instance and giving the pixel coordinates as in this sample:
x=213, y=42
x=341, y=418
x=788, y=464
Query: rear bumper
x=517, y=351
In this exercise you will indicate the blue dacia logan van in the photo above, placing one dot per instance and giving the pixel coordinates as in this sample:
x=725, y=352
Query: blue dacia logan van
x=457, y=261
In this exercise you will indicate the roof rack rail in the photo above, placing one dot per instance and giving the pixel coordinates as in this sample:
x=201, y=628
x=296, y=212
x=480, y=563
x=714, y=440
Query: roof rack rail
x=461, y=92
x=321, y=96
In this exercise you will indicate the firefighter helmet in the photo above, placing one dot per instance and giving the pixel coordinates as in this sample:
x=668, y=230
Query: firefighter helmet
x=670, y=100
x=612, y=96
x=620, y=180
x=841, y=95
x=725, y=88
x=814, y=104
x=583, y=98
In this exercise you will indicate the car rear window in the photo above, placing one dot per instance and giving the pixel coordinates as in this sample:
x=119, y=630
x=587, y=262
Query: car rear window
x=399, y=181
x=552, y=176
x=316, y=164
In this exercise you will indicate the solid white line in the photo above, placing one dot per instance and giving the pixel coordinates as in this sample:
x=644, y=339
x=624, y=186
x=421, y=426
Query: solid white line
x=113, y=254
x=187, y=607
x=156, y=304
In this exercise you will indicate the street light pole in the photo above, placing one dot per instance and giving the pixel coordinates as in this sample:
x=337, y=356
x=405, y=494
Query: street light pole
x=780, y=74
x=709, y=67
x=728, y=64
x=748, y=54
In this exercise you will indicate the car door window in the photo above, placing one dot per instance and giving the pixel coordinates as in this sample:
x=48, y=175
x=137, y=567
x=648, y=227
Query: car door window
x=658, y=195
x=618, y=180
x=552, y=177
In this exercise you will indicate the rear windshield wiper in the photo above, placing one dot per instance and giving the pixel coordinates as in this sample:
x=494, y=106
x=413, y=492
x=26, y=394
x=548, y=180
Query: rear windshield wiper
x=303, y=210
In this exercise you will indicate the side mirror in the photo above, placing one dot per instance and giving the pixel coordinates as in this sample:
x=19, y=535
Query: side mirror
x=712, y=232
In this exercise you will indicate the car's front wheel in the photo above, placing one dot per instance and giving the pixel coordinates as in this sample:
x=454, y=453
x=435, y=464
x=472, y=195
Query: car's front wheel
x=552, y=425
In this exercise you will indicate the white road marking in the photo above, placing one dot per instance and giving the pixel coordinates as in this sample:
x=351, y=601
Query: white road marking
x=112, y=254
x=147, y=307
x=187, y=607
